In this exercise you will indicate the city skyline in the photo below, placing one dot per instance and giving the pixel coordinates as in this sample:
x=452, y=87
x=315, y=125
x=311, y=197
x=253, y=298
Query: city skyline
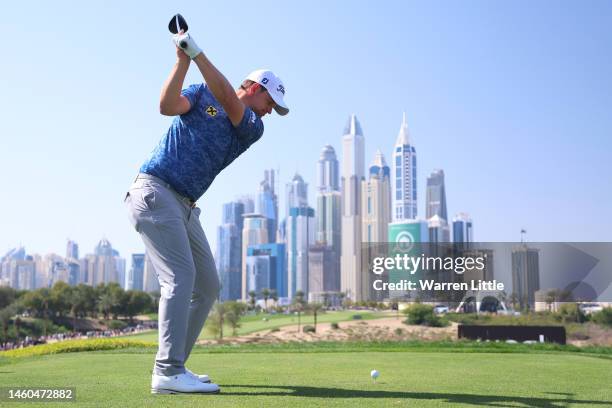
x=498, y=102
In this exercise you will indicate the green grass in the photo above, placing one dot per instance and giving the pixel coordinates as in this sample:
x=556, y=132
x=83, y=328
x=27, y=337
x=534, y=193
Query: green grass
x=255, y=323
x=335, y=374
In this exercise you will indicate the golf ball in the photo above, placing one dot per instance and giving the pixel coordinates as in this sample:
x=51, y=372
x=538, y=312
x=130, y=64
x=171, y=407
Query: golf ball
x=374, y=374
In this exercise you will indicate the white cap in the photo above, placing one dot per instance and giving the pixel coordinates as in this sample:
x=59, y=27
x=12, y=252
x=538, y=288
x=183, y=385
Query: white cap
x=273, y=85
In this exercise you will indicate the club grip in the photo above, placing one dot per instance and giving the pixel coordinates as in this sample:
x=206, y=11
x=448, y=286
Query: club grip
x=183, y=44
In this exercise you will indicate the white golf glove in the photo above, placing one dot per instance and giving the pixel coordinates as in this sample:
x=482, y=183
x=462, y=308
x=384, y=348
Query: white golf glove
x=187, y=44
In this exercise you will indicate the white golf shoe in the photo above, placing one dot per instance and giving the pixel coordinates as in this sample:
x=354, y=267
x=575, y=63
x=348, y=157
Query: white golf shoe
x=181, y=383
x=200, y=377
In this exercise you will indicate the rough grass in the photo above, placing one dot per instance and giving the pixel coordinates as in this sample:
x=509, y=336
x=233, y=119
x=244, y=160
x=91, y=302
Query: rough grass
x=70, y=346
x=115, y=345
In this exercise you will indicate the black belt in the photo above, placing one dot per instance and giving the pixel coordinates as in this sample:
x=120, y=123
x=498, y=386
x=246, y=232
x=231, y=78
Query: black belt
x=186, y=200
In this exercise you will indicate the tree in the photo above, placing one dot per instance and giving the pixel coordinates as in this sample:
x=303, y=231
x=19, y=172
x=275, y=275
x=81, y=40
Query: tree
x=119, y=299
x=17, y=323
x=217, y=319
x=341, y=298
x=326, y=298
x=155, y=296
x=551, y=299
x=7, y=296
x=571, y=312
x=60, y=295
x=33, y=302
x=88, y=294
x=274, y=295
x=6, y=314
x=298, y=306
x=252, y=297
x=265, y=293
x=105, y=303
x=315, y=308
x=514, y=299
x=75, y=302
x=137, y=302
x=233, y=312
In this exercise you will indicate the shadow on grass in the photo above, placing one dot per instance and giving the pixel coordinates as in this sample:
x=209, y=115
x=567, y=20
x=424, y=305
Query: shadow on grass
x=483, y=400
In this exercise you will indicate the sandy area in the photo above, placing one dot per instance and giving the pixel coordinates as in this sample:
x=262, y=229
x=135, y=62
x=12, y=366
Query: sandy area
x=374, y=330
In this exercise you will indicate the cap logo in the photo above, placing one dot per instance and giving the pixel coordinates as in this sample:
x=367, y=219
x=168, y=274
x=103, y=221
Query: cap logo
x=281, y=89
x=264, y=81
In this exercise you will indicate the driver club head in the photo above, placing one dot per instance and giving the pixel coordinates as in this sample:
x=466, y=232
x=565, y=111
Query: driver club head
x=177, y=23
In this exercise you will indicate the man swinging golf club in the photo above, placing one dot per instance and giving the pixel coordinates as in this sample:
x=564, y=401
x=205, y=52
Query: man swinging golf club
x=213, y=125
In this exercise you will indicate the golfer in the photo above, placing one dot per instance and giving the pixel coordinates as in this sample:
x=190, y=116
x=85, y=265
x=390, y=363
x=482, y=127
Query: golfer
x=213, y=125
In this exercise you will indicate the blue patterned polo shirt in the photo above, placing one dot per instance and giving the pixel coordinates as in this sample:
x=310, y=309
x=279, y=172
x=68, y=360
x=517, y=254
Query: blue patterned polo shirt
x=201, y=143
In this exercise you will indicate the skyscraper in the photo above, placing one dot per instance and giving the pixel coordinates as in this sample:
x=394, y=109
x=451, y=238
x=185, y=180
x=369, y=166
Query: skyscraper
x=229, y=261
x=322, y=276
x=248, y=203
x=436, y=195
x=150, y=281
x=228, y=256
x=353, y=163
x=232, y=213
x=525, y=274
x=297, y=194
x=438, y=230
x=300, y=235
x=404, y=184
x=105, y=265
x=267, y=268
x=376, y=201
x=72, y=250
x=462, y=228
x=267, y=204
x=254, y=232
x=327, y=171
x=136, y=273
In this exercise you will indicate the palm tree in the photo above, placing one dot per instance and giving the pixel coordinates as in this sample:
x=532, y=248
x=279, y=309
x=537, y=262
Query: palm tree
x=44, y=293
x=298, y=305
x=316, y=308
x=326, y=297
x=274, y=296
x=252, y=297
x=341, y=297
x=265, y=293
x=514, y=299
x=105, y=303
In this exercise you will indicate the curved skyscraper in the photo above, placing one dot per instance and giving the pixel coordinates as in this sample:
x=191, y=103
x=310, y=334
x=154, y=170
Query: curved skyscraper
x=327, y=171
x=404, y=184
x=353, y=163
x=328, y=218
x=297, y=194
x=267, y=204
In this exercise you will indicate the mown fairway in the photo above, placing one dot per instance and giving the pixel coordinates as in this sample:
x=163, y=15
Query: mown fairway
x=319, y=376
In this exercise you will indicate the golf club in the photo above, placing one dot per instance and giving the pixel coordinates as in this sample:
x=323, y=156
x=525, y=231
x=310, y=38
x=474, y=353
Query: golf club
x=176, y=24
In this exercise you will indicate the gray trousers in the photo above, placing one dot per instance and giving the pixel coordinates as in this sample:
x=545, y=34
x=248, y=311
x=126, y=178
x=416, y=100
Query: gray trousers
x=184, y=265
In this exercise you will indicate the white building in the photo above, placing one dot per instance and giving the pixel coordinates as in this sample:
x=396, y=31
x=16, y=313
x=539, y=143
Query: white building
x=404, y=176
x=353, y=163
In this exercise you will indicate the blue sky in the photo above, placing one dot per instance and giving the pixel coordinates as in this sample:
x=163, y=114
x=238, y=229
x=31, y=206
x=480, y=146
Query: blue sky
x=511, y=99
